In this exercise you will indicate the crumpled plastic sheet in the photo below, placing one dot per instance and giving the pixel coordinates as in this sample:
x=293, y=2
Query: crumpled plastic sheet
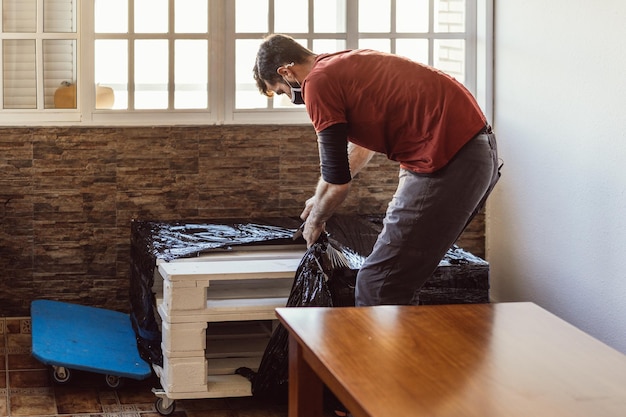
x=183, y=240
x=316, y=284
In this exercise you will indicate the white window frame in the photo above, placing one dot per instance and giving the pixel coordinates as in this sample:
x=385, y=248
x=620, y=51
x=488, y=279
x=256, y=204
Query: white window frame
x=479, y=74
x=41, y=115
x=95, y=116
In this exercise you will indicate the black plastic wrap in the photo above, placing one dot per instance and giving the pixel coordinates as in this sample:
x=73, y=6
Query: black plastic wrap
x=311, y=288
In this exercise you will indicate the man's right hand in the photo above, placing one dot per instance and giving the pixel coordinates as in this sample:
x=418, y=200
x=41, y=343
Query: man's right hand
x=308, y=206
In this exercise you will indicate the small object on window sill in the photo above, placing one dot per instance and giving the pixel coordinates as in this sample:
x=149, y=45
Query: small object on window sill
x=65, y=96
x=105, y=97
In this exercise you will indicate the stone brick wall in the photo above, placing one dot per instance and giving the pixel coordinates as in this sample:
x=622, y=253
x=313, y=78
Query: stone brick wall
x=68, y=194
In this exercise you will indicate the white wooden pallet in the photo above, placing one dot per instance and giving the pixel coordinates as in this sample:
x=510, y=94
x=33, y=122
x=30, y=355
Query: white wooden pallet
x=223, y=292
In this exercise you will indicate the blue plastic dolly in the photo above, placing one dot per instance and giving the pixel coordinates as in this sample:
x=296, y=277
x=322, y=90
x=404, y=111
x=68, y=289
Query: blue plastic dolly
x=71, y=336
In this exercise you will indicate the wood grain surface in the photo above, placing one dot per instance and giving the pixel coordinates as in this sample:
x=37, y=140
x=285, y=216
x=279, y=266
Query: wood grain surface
x=479, y=360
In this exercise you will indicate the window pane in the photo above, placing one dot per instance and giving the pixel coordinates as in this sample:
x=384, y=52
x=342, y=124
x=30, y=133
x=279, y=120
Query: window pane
x=415, y=49
x=291, y=16
x=59, y=74
x=449, y=56
x=59, y=16
x=111, y=16
x=19, y=16
x=111, y=71
x=450, y=15
x=19, y=74
x=191, y=16
x=383, y=45
x=329, y=16
x=374, y=16
x=190, y=74
x=412, y=15
x=321, y=46
x=251, y=16
x=247, y=95
x=151, y=16
x=151, y=74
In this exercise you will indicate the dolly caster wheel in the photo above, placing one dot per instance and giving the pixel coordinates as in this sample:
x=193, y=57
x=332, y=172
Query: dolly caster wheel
x=114, y=381
x=163, y=408
x=61, y=374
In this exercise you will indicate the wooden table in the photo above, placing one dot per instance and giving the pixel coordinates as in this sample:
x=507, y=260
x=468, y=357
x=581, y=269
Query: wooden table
x=482, y=360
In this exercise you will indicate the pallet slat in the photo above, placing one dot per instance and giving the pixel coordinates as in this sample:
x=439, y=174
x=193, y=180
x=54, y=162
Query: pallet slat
x=233, y=269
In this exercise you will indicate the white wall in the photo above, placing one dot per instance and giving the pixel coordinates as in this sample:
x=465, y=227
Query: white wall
x=556, y=231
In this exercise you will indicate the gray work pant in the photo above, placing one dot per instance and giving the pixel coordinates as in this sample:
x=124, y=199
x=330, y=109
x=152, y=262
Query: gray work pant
x=425, y=217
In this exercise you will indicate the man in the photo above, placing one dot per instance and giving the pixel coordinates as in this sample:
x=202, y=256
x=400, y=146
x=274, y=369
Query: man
x=361, y=102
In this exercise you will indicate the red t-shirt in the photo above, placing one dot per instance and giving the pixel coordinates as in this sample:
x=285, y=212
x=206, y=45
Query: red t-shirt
x=414, y=114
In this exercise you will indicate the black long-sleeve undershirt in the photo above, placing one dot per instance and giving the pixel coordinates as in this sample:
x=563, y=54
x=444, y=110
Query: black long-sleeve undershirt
x=333, y=147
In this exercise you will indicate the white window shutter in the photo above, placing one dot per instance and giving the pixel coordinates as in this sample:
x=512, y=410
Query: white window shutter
x=59, y=68
x=20, y=78
x=21, y=74
x=19, y=16
x=59, y=16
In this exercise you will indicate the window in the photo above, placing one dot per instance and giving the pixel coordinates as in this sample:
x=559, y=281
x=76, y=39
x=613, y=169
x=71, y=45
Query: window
x=190, y=61
x=135, y=55
x=39, y=67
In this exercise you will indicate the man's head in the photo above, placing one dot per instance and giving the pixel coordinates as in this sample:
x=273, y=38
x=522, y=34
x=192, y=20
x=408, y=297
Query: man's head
x=275, y=52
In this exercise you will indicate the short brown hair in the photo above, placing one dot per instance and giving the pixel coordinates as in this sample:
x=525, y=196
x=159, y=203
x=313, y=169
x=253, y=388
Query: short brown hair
x=275, y=51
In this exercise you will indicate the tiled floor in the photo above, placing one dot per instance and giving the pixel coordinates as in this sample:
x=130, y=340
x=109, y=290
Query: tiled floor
x=26, y=389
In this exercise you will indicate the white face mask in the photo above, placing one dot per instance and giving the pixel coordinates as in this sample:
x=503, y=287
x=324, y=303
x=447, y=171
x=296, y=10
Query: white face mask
x=296, y=92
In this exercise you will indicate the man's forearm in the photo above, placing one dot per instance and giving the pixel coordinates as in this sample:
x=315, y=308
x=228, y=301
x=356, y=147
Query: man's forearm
x=328, y=197
x=319, y=208
x=358, y=157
